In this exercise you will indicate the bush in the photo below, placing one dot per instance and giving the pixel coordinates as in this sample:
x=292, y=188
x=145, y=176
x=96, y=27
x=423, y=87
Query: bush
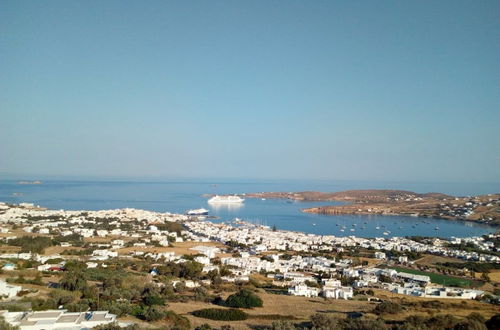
x=322, y=321
x=387, y=307
x=115, y=326
x=151, y=314
x=221, y=314
x=244, y=299
x=151, y=300
x=177, y=321
x=282, y=325
x=493, y=322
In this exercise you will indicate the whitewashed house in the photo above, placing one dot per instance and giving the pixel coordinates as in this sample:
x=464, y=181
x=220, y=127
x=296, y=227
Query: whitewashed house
x=57, y=319
x=7, y=290
x=303, y=290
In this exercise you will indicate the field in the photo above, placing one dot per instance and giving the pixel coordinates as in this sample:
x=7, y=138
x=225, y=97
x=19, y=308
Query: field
x=432, y=260
x=178, y=248
x=441, y=279
x=495, y=275
x=277, y=307
x=299, y=309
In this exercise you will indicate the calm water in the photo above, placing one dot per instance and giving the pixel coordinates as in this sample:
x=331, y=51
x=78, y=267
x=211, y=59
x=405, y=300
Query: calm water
x=179, y=196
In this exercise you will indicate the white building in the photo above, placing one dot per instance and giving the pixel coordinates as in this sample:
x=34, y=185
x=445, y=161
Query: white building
x=7, y=290
x=9, y=266
x=402, y=259
x=344, y=292
x=103, y=254
x=209, y=251
x=303, y=290
x=421, y=279
x=380, y=255
x=57, y=319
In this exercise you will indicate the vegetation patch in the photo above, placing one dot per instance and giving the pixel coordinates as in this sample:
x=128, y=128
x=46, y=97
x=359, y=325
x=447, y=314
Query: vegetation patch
x=244, y=299
x=31, y=244
x=442, y=279
x=388, y=307
x=221, y=314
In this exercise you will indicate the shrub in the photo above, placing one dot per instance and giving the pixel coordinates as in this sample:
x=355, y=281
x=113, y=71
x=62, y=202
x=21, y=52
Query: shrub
x=387, y=307
x=153, y=314
x=322, y=321
x=244, y=299
x=221, y=314
x=282, y=325
x=493, y=322
x=151, y=300
x=177, y=321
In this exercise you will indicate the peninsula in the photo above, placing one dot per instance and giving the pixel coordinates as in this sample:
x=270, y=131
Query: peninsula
x=483, y=208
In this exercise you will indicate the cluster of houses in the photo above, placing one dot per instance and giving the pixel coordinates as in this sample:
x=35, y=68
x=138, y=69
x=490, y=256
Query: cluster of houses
x=262, y=238
x=463, y=208
x=256, y=245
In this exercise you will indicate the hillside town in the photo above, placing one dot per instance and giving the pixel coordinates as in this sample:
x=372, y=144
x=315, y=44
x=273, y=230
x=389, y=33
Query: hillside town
x=42, y=250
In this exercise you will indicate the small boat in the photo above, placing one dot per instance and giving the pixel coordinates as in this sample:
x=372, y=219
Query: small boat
x=314, y=224
x=386, y=233
x=263, y=199
x=342, y=230
x=437, y=228
x=197, y=212
x=377, y=227
x=352, y=229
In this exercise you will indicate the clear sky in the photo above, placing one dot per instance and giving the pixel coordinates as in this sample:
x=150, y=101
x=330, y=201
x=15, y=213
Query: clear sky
x=368, y=90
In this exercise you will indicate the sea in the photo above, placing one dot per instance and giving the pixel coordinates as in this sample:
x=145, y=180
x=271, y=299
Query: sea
x=180, y=195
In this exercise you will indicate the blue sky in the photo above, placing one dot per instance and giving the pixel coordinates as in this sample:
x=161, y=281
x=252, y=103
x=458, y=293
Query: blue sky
x=368, y=90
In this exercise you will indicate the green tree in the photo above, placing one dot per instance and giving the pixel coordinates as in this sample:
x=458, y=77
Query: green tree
x=244, y=299
x=73, y=281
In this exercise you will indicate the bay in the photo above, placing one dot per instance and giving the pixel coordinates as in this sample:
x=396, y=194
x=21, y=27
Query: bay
x=177, y=196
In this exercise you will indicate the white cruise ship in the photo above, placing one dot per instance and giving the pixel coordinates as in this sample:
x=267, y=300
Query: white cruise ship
x=225, y=199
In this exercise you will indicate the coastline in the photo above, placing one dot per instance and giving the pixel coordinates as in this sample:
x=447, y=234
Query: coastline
x=478, y=209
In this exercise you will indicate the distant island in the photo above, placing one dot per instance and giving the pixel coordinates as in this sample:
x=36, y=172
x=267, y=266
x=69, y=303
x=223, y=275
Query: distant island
x=483, y=208
x=30, y=182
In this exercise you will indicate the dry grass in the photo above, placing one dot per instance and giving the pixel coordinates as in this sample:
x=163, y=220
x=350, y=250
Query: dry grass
x=494, y=275
x=59, y=249
x=456, y=307
x=371, y=261
x=9, y=249
x=431, y=260
x=288, y=307
x=177, y=248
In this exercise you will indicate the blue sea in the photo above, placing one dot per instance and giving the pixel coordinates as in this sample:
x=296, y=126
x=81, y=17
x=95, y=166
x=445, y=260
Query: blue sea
x=177, y=196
